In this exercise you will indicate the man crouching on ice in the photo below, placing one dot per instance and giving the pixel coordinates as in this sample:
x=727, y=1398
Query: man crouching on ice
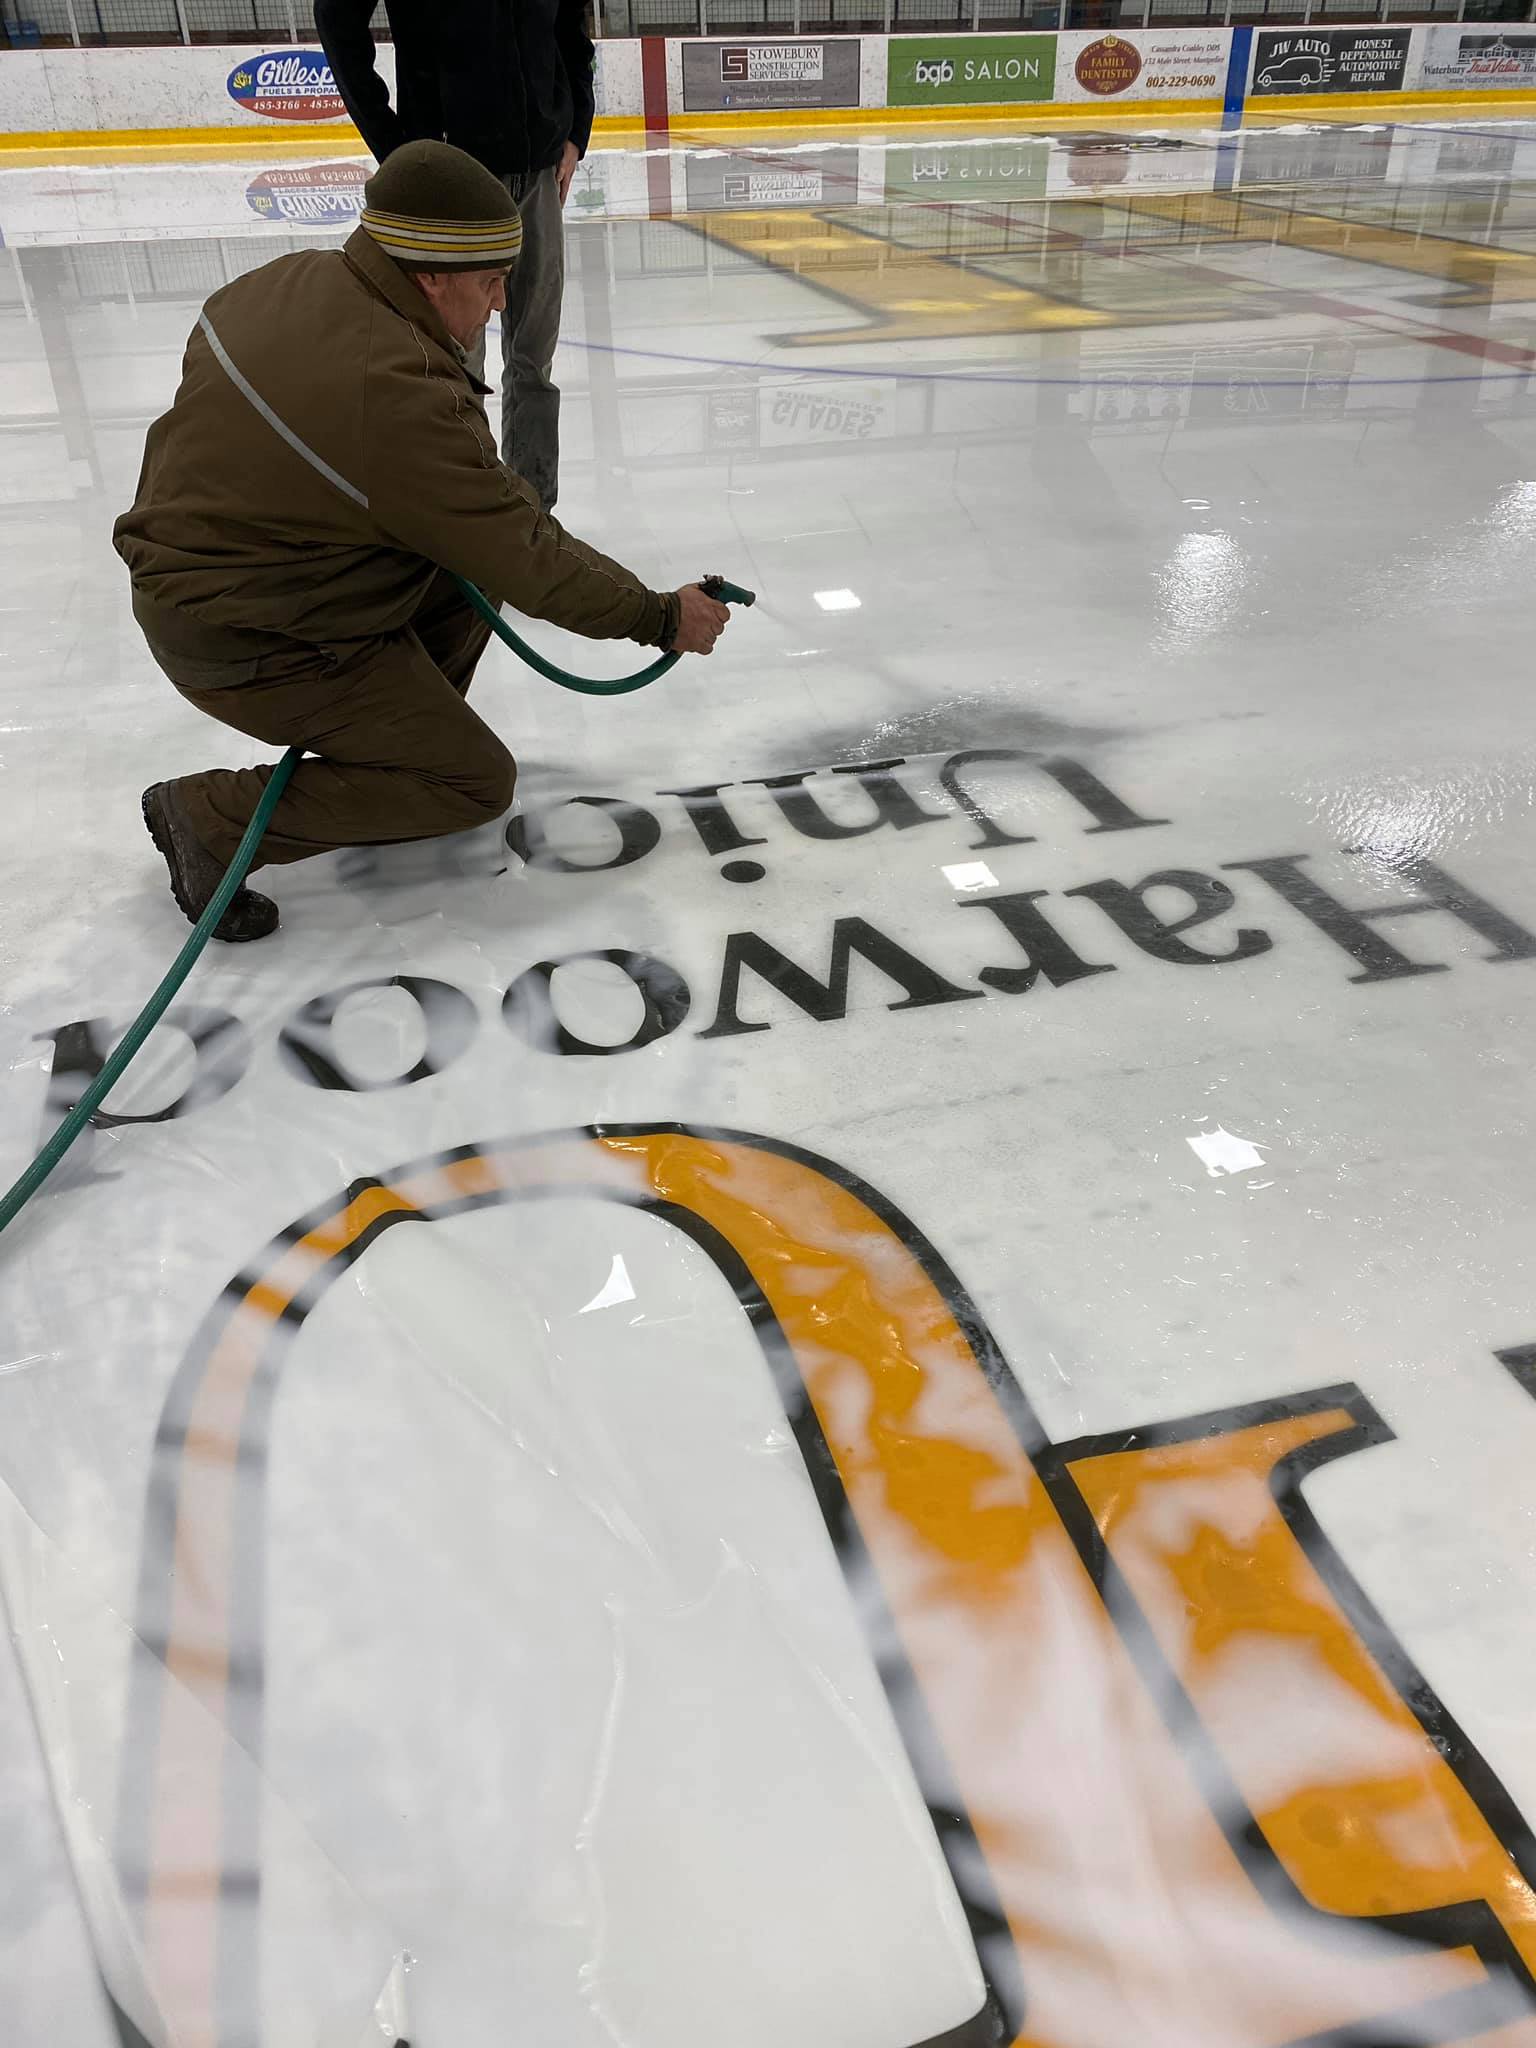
x=324, y=466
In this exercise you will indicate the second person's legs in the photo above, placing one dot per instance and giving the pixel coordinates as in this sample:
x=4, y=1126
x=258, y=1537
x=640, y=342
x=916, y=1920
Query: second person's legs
x=530, y=328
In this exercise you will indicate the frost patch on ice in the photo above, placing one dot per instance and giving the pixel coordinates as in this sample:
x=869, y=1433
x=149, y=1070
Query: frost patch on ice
x=970, y=874
x=616, y=1288
x=1220, y=1152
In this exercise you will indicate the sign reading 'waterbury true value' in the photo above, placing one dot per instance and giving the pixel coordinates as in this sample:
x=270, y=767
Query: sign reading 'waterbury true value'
x=1486, y=59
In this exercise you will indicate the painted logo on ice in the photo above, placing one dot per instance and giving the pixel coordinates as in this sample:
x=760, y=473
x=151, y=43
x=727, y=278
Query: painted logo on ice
x=287, y=85
x=1154, y=1610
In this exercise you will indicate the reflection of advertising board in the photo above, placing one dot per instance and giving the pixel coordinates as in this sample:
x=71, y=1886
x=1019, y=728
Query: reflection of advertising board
x=1360, y=155
x=717, y=184
x=1224, y=387
x=771, y=188
x=732, y=419
x=1477, y=156
x=1482, y=58
x=1260, y=384
x=802, y=415
x=610, y=181
x=1328, y=60
x=969, y=70
x=1165, y=64
x=1081, y=163
x=310, y=195
x=287, y=85
x=800, y=74
x=1119, y=402
x=64, y=204
x=995, y=170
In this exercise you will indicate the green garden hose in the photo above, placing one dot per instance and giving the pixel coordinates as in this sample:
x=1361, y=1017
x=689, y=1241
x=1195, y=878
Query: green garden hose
x=113, y=1069
x=713, y=586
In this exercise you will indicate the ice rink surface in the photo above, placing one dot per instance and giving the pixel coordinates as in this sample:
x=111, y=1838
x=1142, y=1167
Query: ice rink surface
x=942, y=1450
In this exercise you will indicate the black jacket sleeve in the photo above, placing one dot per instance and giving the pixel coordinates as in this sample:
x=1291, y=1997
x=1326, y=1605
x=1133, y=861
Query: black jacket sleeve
x=579, y=58
x=347, y=41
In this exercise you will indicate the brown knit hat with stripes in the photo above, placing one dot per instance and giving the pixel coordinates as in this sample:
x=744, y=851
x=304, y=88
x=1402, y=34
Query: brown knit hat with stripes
x=431, y=207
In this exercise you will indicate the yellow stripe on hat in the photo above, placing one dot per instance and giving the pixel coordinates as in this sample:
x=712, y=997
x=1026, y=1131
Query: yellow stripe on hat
x=467, y=242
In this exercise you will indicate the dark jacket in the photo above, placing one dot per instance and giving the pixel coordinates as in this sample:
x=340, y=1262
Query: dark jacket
x=235, y=532
x=508, y=80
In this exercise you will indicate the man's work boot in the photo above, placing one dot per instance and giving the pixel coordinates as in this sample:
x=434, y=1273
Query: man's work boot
x=195, y=874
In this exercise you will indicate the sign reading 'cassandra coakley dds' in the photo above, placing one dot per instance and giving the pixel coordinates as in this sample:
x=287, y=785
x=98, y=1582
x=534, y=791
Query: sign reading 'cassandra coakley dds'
x=1168, y=64
x=969, y=69
x=287, y=85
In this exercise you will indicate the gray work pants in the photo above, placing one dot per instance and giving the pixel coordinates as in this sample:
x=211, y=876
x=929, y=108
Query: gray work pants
x=530, y=327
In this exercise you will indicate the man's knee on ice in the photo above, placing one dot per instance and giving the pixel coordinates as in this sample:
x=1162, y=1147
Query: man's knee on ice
x=493, y=785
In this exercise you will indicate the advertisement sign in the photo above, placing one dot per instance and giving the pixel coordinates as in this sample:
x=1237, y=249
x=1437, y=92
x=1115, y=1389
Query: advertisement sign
x=1480, y=58
x=287, y=85
x=1288, y=62
x=1109, y=64
x=310, y=195
x=717, y=76
x=1165, y=64
x=969, y=70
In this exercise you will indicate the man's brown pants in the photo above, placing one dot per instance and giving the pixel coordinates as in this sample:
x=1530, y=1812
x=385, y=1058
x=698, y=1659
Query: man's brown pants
x=401, y=755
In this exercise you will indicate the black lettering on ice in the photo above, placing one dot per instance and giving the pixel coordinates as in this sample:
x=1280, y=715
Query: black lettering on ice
x=1159, y=936
x=894, y=805
x=529, y=1004
x=221, y=1052
x=1109, y=812
x=1045, y=950
x=992, y=834
x=711, y=820
x=638, y=830
x=1377, y=957
x=306, y=1043
x=826, y=1001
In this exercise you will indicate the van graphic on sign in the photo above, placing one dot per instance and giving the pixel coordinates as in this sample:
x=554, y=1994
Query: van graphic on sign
x=1294, y=71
